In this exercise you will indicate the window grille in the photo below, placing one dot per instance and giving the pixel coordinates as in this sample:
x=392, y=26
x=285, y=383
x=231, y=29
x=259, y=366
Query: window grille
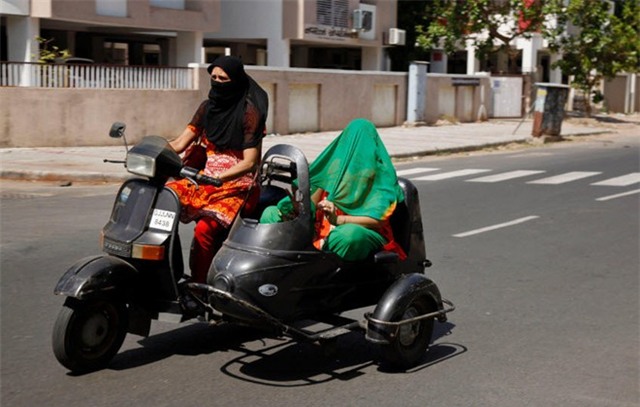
x=333, y=13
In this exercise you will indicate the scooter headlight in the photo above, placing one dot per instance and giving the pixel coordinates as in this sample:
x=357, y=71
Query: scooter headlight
x=141, y=165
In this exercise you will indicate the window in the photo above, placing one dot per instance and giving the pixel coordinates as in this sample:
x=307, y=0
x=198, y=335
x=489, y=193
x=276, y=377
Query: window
x=173, y=4
x=116, y=53
x=333, y=13
x=111, y=8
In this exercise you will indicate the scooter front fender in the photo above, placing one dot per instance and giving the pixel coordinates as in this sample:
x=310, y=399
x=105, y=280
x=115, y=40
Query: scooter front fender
x=97, y=276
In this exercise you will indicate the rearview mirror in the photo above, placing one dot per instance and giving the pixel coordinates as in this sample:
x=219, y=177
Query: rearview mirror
x=117, y=130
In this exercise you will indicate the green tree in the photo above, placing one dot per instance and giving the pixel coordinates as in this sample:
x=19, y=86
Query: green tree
x=50, y=53
x=490, y=25
x=595, y=43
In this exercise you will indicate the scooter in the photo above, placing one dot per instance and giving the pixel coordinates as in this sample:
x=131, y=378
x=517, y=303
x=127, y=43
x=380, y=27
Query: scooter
x=264, y=275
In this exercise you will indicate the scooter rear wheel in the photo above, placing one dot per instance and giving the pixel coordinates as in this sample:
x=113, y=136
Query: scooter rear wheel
x=412, y=342
x=88, y=334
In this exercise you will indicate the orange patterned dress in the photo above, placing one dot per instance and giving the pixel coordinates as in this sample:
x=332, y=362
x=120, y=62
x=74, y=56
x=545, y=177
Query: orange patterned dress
x=221, y=203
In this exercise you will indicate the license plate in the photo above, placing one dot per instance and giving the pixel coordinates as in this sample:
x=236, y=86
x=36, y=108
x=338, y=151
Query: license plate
x=162, y=220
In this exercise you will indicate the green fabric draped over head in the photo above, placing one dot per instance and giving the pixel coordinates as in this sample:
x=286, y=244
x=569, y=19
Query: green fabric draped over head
x=356, y=172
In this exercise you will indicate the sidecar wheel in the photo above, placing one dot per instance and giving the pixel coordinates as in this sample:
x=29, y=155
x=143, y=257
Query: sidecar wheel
x=409, y=347
x=88, y=334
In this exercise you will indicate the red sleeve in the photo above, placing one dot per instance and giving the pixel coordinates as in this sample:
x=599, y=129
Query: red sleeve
x=252, y=134
x=196, y=121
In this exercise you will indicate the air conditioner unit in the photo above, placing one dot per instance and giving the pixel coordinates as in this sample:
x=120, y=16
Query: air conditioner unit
x=362, y=20
x=397, y=36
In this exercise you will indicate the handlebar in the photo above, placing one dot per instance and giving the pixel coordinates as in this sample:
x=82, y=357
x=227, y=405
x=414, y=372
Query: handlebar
x=194, y=174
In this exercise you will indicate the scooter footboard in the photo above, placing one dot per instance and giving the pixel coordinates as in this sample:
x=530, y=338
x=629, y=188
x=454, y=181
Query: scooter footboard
x=95, y=276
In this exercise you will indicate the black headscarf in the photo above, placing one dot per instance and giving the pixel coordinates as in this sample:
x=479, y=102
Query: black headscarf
x=224, y=116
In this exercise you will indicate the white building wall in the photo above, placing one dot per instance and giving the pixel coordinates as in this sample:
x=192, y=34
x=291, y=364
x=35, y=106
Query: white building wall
x=21, y=34
x=255, y=19
x=189, y=48
x=14, y=7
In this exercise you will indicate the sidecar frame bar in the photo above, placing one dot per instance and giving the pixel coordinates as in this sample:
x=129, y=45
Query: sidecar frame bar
x=397, y=324
x=297, y=333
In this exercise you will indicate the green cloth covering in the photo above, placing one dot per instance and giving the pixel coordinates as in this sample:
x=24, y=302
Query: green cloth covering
x=357, y=173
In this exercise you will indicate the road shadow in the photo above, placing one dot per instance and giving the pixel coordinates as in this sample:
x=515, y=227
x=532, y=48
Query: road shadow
x=286, y=363
x=293, y=364
x=189, y=340
x=595, y=119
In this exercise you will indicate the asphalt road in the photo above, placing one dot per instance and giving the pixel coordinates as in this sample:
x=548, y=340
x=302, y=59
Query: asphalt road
x=542, y=264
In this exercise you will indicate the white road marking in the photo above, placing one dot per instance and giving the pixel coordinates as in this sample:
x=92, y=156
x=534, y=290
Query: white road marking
x=622, y=181
x=505, y=176
x=563, y=178
x=451, y=174
x=498, y=226
x=606, y=198
x=411, y=171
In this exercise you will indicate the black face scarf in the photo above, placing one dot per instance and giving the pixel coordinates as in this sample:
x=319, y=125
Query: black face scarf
x=224, y=117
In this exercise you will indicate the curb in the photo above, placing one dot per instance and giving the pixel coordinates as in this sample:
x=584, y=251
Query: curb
x=68, y=176
x=454, y=150
x=25, y=175
x=71, y=176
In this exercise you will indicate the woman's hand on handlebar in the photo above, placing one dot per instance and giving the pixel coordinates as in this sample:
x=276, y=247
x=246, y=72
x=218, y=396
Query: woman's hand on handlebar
x=195, y=175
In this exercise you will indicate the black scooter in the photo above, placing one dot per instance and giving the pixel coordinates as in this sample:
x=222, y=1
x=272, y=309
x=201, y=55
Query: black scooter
x=265, y=275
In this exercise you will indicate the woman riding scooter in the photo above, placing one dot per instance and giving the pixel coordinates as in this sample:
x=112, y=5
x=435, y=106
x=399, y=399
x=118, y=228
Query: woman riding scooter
x=355, y=190
x=230, y=124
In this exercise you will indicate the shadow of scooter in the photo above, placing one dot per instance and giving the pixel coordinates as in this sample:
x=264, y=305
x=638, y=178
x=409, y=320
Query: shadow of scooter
x=346, y=359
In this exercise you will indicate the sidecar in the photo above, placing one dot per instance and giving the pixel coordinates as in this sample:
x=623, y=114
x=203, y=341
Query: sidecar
x=271, y=275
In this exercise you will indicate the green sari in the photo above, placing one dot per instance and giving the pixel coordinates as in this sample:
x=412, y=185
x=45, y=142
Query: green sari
x=357, y=174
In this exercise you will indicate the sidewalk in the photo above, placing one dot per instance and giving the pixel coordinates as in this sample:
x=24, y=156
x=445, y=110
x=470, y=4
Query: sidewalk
x=86, y=163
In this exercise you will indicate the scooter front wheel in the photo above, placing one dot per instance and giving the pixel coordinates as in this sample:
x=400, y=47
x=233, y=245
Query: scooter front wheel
x=88, y=334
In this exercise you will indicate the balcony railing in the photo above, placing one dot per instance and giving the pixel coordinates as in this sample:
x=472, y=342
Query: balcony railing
x=94, y=76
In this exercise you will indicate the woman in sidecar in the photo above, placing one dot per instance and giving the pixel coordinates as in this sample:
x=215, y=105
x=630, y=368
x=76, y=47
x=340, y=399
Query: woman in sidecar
x=355, y=190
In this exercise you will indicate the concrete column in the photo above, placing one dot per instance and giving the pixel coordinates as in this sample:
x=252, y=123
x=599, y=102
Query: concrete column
x=502, y=62
x=189, y=48
x=555, y=74
x=372, y=58
x=439, y=61
x=416, y=92
x=172, y=53
x=630, y=93
x=473, y=64
x=22, y=45
x=530, y=49
x=300, y=56
x=278, y=51
x=21, y=36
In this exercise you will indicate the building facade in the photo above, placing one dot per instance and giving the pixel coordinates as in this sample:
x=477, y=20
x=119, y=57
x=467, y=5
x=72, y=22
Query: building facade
x=125, y=32
x=338, y=34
